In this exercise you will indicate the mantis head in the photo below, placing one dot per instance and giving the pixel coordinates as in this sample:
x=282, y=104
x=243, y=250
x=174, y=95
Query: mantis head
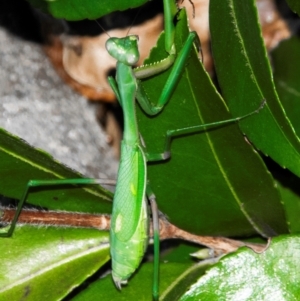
x=124, y=50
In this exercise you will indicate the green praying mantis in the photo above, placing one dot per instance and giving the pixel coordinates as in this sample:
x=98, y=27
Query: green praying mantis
x=130, y=217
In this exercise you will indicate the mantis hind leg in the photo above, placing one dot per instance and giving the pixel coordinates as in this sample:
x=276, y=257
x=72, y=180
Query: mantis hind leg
x=40, y=183
x=166, y=154
x=18, y=211
x=155, y=222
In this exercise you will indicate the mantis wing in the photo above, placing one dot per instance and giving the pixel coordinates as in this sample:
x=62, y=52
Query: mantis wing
x=129, y=228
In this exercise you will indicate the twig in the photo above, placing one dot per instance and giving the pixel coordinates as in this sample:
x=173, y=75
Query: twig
x=219, y=245
x=57, y=218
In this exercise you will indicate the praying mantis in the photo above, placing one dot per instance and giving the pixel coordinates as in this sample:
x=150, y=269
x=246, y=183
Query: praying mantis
x=129, y=236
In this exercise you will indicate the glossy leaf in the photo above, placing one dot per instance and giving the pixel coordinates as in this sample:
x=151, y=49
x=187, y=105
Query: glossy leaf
x=73, y=10
x=19, y=163
x=245, y=77
x=245, y=275
x=214, y=183
x=41, y=263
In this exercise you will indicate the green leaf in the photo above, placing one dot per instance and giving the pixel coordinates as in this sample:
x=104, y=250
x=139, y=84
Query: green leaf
x=175, y=279
x=74, y=10
x=214, y=183
x=289, y=187
x=19, y=163
x=294, y=5
x=286, y=77
x=245, y=78
x=289, y=190
x=245, y=275
x=41, y=263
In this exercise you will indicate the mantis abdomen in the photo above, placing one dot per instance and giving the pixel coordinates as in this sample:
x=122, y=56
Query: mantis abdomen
x=130, y=222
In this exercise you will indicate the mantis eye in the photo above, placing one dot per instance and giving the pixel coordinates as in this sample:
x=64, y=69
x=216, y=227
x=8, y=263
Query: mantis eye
x=134, y=38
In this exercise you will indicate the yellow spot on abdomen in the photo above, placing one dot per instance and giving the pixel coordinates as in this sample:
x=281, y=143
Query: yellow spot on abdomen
x=132, y=189
x=119, y=221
